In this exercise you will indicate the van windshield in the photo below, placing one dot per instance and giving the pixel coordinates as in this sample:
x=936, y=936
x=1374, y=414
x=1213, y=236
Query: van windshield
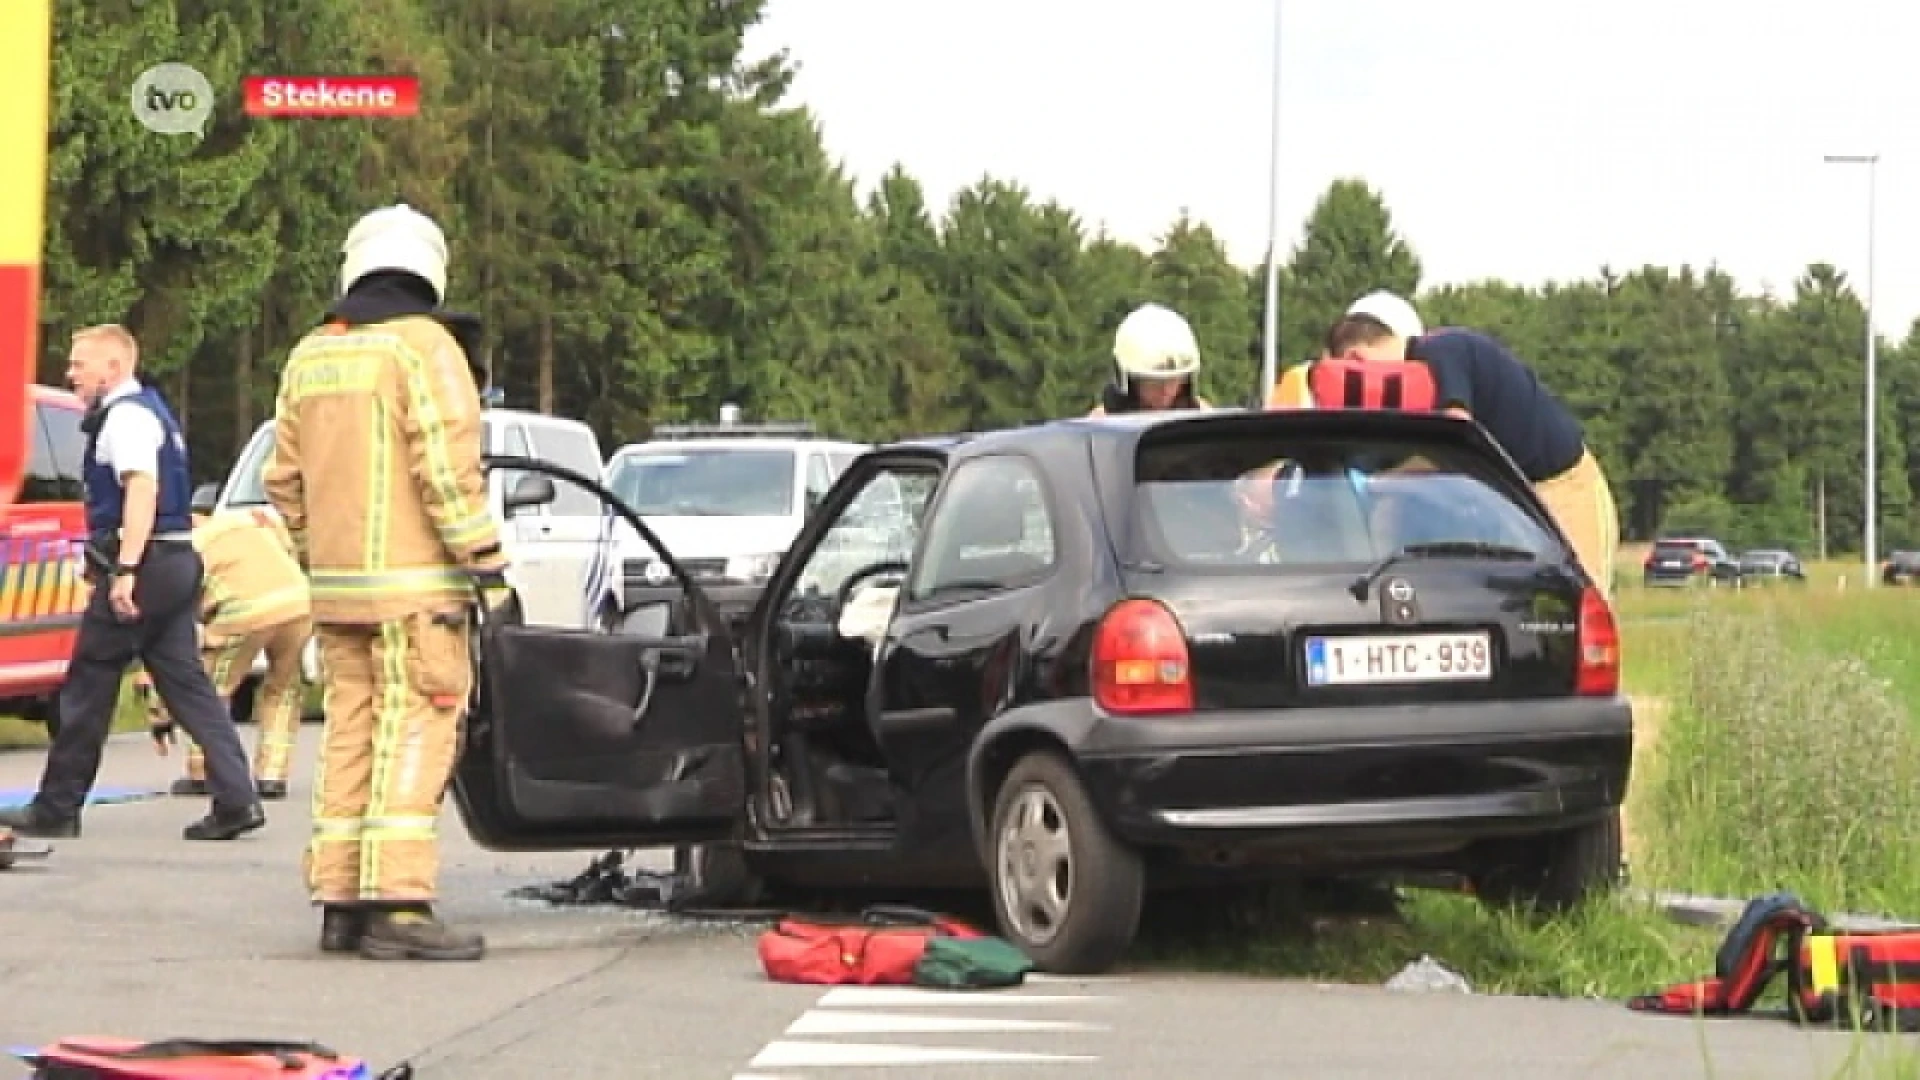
x=706, y=482
x=1260, y=501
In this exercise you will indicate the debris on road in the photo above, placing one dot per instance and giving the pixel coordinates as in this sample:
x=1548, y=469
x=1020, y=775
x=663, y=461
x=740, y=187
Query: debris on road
x=605, y=881
x=1428, y=976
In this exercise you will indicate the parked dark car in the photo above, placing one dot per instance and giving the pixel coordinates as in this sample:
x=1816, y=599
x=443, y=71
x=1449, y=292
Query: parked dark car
x=1763, y=565
x=1901, y=568
x=1077, y=665
x=1689, y=560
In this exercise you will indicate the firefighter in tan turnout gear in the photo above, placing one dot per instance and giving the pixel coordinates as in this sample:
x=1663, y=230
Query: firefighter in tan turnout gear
x=253, y=599
x=376, y=470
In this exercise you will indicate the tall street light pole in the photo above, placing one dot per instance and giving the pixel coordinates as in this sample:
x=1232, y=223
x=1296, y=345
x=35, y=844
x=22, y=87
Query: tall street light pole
x=1269, y=362
x=1872, y=162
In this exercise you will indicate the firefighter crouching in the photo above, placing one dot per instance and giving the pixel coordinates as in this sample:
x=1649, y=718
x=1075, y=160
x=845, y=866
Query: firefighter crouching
x=253, y=600
x=376, y=471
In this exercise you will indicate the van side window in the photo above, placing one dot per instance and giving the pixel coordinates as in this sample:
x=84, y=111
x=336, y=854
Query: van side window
x=577, y=451
x=819, y=479
x=54, y=455
x=514, y=444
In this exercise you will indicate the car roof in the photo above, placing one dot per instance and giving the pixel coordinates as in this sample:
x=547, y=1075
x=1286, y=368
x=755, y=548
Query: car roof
x=1121, y=433
x=758, y=442
x=53, y=395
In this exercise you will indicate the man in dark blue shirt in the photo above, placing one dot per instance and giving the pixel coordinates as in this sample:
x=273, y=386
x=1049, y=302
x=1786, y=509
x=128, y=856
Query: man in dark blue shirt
x=1477, y=377
x=146, y=579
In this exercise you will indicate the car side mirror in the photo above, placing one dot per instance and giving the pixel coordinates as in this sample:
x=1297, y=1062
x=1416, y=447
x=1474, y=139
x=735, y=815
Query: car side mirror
x=204, y=498
x=533, y=489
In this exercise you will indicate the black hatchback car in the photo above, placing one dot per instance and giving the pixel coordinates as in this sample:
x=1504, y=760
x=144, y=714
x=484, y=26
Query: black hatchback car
x=1072, y=662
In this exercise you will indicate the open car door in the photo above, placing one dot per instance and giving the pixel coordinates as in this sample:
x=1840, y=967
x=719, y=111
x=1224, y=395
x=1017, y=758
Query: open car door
x=581, y=739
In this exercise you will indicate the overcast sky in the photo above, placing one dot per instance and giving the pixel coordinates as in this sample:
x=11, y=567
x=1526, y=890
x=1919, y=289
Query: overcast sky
x=1520, y=140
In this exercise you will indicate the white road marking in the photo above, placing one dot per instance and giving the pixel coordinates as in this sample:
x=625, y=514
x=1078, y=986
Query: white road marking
x=785, y=1054
x=811, y=1041
x=850, y=1022
x=888, y=997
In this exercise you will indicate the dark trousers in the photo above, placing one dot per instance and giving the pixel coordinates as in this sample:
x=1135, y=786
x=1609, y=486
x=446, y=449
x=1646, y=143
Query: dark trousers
x=167, y=592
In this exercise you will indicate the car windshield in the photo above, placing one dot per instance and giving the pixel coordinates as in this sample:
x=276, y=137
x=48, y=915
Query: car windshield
x=1257, y=500
x=706, y=482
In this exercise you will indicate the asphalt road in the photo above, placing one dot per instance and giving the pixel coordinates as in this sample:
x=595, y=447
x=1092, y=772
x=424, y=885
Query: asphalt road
x=132, y=931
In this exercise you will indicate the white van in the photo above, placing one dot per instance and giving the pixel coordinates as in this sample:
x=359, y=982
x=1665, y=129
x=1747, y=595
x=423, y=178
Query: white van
x=551, y=547
x=726, y=505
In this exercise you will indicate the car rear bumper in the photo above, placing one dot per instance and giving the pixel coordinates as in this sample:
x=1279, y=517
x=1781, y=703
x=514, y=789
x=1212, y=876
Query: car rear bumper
x=1350, y=783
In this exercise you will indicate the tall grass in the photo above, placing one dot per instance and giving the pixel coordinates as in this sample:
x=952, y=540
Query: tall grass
x=1789, y=757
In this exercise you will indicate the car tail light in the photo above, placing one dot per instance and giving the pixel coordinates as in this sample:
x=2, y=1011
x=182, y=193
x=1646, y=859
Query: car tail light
x=1599, y=673
x=1140, y=661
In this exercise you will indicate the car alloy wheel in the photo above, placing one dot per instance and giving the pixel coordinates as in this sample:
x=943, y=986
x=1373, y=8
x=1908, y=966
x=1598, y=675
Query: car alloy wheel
x=1065, y=890
x=1036, y=865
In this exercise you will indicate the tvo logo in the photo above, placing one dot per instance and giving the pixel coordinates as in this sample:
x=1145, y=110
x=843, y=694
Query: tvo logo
x=173, y=99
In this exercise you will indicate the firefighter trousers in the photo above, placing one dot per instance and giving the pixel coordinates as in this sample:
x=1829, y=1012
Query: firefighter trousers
x=1581, y=501
x=396, y=693
x=277, y=702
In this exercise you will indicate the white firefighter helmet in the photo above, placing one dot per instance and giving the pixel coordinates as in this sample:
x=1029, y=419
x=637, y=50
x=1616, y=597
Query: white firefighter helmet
x=1155, y=342
x=1390, y=311
x=396, y=237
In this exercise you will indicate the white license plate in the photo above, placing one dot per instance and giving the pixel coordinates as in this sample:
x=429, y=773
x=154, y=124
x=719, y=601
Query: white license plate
x=1399, y=658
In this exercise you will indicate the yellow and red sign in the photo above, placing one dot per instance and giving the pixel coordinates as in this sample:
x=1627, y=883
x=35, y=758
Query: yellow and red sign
x=24, y=86
x=327, y=95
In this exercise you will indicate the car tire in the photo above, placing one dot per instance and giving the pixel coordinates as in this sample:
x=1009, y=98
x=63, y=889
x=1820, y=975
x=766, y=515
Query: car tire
x=1085, y=927
x=715, y=876
x=1552, y=874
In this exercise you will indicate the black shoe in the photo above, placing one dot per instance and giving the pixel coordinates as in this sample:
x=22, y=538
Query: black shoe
x=271, y=789
x=186, y=786
x=341, y=928
x=413, y=933
x=31, y=820
x=227, y=824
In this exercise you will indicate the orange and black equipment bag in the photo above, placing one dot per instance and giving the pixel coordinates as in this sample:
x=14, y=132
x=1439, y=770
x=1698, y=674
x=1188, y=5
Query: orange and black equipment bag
x=1351, y=382
x=104, y=1058
x=1862, y=979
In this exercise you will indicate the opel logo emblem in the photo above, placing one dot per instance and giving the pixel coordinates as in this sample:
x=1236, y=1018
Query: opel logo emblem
x=657, y=573
x=1399, y=591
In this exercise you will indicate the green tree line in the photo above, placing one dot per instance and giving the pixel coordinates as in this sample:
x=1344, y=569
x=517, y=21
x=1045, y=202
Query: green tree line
x=649, y=230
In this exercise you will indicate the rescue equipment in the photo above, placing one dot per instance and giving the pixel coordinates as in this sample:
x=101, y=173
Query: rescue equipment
x=887, y=945
x=1351, y=382
x=106, y=1058
x=1865, y=979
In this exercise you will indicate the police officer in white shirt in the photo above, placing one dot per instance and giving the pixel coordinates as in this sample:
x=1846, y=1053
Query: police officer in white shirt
x=146, y=580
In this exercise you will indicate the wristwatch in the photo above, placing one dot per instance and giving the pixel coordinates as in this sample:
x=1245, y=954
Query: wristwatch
x=123, y=570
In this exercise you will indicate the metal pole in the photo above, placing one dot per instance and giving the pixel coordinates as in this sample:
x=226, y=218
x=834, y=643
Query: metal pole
x=1872, y=494
x=1270, y=364
x=1873, y=391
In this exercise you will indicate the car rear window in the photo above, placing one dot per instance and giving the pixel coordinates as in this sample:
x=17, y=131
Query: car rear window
x=1245, y=500
x=1676, y=547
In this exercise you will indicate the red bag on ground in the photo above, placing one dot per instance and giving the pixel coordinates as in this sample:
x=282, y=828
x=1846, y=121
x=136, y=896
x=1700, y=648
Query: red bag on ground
x=879, y=948
x=107, y=1058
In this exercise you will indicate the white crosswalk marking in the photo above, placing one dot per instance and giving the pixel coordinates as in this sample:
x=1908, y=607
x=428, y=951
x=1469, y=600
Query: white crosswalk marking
x=1020, y=1021
x=785, y=1054
x=849, y=1022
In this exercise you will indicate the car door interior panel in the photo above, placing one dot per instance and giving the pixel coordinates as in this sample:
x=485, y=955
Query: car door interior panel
x=612, y=728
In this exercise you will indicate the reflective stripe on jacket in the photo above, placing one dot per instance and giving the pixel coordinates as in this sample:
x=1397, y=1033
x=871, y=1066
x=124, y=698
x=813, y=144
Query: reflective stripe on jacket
x=376, y=469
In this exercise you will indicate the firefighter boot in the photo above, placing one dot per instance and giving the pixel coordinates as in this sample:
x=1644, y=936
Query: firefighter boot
x=412, y=932
x=342, y=928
